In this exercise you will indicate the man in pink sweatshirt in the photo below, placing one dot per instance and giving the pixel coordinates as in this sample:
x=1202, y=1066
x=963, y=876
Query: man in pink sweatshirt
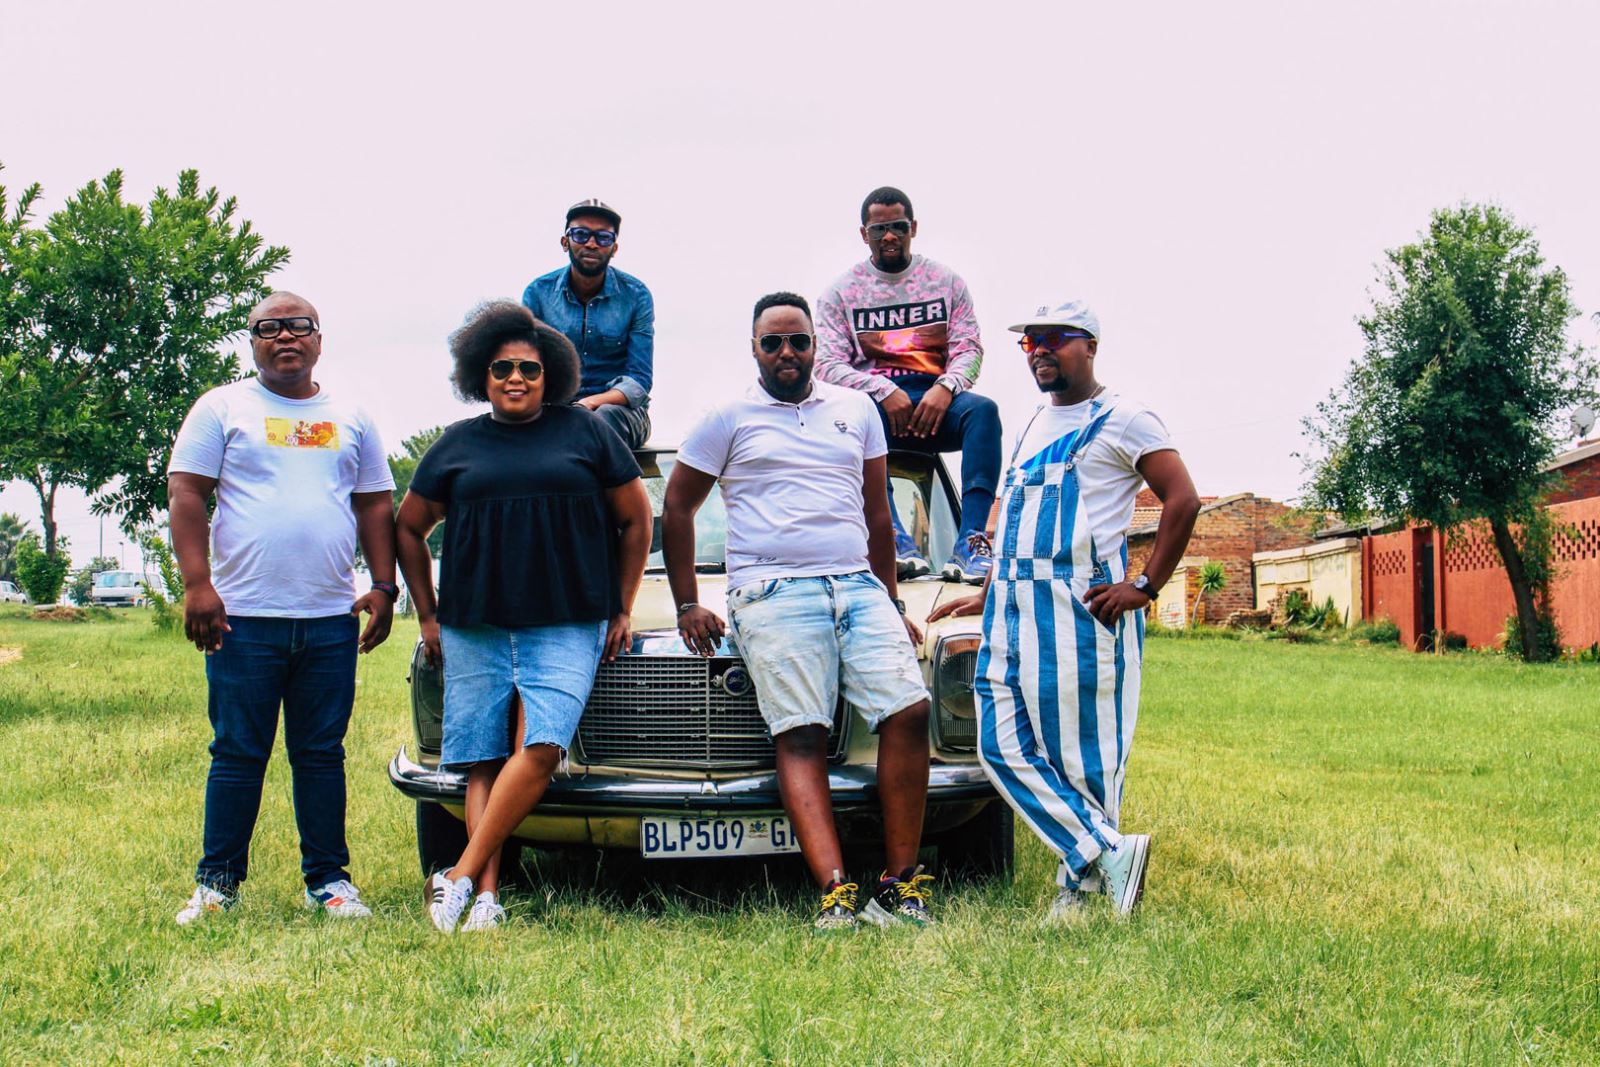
x=900, y=328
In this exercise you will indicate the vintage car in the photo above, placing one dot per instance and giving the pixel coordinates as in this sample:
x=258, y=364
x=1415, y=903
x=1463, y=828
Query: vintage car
x=672, y=759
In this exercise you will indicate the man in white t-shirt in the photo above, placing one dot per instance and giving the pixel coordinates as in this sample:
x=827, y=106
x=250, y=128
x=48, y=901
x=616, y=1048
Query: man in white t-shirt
x=300, y=477
x=811, y=598
x=1059, y=667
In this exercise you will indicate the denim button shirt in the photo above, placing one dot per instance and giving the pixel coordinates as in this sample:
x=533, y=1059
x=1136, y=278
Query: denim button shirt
x=614, y=333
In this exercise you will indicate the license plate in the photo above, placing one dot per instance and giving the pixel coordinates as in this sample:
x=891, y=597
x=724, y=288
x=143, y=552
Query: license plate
x=678, y=838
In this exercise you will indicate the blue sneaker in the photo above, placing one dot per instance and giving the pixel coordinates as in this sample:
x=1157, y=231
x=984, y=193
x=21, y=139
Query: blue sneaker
x=909, y=562
x=971, y=561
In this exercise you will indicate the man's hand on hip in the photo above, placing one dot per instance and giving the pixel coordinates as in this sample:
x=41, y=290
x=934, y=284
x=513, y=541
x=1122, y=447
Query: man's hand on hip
x=1108, y=602
x=205, y=619
x=897, y=409
x=929, y=416
x=377, y=604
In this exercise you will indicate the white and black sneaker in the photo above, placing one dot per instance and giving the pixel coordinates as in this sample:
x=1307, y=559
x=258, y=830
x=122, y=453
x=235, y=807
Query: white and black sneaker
x=446, y=900
x=486, y=914
x=909, y=562
x=1122, y=870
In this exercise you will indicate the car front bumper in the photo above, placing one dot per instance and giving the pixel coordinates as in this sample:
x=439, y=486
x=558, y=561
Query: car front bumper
x=854, y=788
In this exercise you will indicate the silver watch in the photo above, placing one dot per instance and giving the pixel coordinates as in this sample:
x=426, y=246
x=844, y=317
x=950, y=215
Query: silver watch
x=1142, y=583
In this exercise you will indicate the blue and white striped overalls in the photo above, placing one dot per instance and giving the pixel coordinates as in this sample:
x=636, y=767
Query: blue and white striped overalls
x=1058, y=692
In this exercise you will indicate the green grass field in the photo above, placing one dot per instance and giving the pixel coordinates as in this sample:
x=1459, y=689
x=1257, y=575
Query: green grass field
x=1360, y=856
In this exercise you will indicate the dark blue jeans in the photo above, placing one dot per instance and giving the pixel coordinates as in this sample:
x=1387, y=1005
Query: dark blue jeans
x=972, y=427
x=630, y=423
x=307, y=667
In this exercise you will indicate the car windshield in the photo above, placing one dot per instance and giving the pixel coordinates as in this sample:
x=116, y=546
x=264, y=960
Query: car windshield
x=116, y=580
x=921, y=499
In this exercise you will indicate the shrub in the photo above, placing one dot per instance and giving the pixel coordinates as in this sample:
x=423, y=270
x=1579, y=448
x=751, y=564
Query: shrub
x=1547, y=640
x=166, y=603
x=1297, y=635
x=41, y=574
x=1377, y=632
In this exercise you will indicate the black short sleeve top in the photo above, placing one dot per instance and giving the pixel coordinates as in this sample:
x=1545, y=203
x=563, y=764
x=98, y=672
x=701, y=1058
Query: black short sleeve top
x=528, y=537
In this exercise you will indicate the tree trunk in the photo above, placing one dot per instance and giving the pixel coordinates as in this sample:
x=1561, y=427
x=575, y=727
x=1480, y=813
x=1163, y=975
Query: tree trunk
x=1521, y=591
x=47, y=512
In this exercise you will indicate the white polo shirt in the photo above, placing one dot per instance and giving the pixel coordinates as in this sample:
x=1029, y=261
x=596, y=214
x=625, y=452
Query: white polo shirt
x=791, y=480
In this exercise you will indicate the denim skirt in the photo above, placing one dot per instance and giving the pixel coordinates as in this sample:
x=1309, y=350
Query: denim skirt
x=552, y=667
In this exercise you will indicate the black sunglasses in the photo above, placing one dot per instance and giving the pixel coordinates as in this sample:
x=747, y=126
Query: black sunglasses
x=898, y=226
x=297, y=325
x=530, y=371
x=771, y=342
x=580, y=235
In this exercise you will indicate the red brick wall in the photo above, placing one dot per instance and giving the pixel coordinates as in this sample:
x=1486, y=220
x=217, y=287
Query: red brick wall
x=1389, y=580
x=1580, y=480
x=1230, y=533
x=1472, y=595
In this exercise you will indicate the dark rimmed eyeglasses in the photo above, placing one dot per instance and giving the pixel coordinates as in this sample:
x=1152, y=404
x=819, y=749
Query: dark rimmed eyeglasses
x=581, y=235
x=530, y=371
x=1049, y=341
x=899, y=227
x=297, y=325
x=771, y=342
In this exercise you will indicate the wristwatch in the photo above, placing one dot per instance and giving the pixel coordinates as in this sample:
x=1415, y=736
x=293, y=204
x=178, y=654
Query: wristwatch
x=1142, y=583
x=685, y=607
x=388, y=589
x=899, y=605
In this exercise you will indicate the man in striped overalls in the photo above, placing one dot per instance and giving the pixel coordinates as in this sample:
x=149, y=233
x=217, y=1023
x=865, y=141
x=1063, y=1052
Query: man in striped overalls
x=1063, y=622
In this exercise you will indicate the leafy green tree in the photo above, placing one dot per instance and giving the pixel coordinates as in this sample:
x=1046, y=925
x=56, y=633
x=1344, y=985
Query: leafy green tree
x=41, y=574
x=12, y=531
x=1211, y=579
x=404, y=464
x=1453, y=410
x=83, y=578
x=113, y=319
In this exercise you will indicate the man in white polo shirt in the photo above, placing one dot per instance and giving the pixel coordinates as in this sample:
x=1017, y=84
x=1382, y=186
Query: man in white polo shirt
x=299, y=478
x=811, y=598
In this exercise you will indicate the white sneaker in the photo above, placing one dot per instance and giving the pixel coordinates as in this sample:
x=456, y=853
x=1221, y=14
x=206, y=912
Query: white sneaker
x=486, y=914
x=1122, y=869
x=446, y=900
x=339, y=898
x=206, y=901
x=1070, y=906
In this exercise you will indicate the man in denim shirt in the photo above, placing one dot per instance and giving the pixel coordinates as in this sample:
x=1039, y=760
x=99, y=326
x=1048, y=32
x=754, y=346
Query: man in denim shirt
x=609, y=317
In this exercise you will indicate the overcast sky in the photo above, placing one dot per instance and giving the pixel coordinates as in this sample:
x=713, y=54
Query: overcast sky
x=1218, y=180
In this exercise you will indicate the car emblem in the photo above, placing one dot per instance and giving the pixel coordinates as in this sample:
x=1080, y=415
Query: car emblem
x=736, y=681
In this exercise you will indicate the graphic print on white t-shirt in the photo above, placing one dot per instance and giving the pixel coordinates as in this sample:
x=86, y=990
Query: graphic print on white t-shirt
x=1108, y=474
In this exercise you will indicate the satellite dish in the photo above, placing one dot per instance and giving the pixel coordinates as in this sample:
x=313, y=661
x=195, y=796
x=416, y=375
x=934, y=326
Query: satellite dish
x=1582, y=421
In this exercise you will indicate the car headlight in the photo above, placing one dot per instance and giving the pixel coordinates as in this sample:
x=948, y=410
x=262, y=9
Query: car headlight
x=427, y=702
x=955, y=718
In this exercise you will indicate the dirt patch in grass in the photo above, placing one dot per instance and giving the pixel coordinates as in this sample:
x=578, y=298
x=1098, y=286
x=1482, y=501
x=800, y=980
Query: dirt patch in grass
x=60, y=614
x=9, y=655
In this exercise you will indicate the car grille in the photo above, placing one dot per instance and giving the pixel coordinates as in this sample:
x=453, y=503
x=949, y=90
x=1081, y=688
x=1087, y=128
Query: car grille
x=676, y=711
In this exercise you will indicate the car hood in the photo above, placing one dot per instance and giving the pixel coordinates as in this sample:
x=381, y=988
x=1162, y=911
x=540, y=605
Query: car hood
x=654, y=609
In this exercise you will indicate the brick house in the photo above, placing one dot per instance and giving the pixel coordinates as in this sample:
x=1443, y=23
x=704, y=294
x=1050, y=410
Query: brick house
x=1229, y=530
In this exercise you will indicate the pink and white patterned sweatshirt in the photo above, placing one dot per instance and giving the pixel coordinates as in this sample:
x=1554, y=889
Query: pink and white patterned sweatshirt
x=873, y=326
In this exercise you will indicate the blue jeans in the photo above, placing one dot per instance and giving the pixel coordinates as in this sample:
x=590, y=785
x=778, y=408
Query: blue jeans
x=629, y=423
x=971, y=426
x=308, y=667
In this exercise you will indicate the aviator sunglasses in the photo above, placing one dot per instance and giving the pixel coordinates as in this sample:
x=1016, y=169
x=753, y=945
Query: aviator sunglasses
x=1049, y=342
x=297, y=325
x=899, y=227
x=530, y=371
x=579, y=235
x=771, y=342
